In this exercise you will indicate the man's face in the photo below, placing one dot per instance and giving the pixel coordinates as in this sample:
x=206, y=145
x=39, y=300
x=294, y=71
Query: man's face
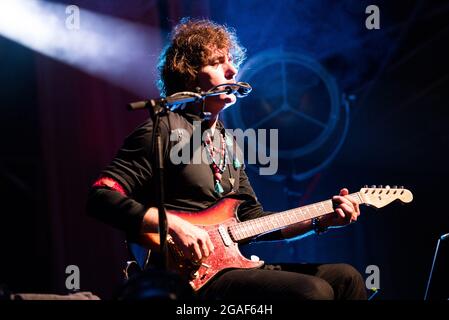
x=219, y=70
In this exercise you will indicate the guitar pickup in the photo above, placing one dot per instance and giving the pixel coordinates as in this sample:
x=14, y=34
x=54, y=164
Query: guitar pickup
x=225, y=236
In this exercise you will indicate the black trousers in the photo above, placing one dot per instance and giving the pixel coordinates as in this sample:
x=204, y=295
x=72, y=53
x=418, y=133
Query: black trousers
x=288, y=281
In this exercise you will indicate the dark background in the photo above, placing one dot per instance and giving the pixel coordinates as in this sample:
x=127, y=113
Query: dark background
x=59, y=126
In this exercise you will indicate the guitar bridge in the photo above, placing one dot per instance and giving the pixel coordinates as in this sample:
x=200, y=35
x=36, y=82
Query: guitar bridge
x=225, y=235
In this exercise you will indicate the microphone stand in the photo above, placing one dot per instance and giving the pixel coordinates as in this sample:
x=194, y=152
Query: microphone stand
x=158, y=108
x=443, y=237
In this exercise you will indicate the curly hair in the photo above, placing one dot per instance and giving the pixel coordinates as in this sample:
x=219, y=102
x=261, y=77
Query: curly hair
x=192, y=43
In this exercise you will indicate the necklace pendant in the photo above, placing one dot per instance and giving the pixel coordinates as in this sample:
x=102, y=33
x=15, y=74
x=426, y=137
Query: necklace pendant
x=236, y=163
x=218, y=188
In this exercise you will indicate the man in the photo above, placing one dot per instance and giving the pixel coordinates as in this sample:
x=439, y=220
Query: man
x=203, y=54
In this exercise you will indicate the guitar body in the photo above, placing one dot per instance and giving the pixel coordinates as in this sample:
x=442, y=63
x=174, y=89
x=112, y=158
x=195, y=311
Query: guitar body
x=216, y=220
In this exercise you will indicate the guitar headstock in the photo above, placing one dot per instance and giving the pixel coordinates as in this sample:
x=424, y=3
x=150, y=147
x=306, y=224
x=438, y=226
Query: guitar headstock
x=379, y=197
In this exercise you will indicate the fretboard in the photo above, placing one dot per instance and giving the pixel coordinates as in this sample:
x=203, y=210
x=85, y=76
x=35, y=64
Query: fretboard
x=276, y=221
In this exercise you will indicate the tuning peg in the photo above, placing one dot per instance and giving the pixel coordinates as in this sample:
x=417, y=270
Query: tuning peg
x=401, y=187
x=395, y=187
x=380, y=186
x=387, y=187
x=373, y=186
x=365, y=186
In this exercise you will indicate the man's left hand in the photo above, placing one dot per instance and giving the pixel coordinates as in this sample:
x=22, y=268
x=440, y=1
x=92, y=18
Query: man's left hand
x=347, y=210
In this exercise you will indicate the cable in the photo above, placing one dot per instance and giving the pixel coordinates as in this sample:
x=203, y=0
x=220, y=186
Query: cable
x=374, y=292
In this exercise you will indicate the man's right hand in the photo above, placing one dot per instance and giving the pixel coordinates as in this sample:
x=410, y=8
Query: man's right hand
x=194, y=242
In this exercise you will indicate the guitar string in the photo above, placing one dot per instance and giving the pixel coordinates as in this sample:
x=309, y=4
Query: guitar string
x=255, y=225
x=275, y=219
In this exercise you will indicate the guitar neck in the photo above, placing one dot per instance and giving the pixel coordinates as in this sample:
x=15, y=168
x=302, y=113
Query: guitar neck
x=273, y=222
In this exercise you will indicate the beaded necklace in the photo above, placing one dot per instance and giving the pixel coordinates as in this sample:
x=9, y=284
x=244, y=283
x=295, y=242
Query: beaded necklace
x=218, y=167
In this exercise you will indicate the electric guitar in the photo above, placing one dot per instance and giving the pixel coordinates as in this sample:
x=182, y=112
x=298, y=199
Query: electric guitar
x=226, y=231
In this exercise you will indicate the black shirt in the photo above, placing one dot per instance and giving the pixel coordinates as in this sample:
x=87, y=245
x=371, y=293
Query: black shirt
x=188, y=187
